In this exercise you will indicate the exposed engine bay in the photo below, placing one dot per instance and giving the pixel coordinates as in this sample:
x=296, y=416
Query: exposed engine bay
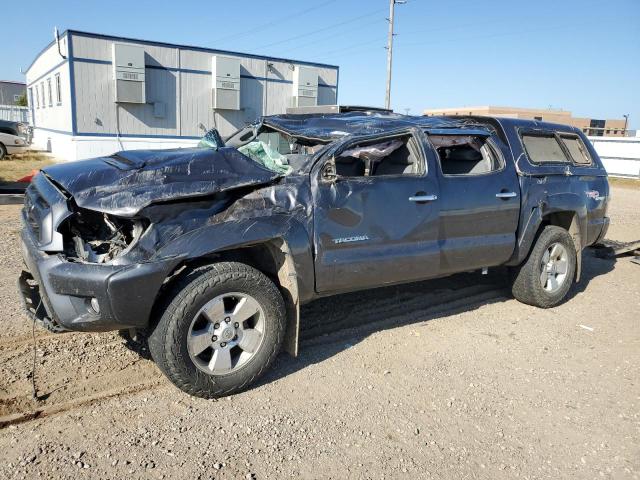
x=96, y=237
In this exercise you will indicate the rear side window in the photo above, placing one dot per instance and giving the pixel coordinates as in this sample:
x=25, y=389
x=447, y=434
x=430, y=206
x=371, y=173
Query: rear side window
x=578, y=151
x=543, y=149
x=465, y=154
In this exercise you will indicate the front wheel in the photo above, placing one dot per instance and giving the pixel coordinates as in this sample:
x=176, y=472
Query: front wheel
x=3, y=151
x=545, y=278
x=223, y=326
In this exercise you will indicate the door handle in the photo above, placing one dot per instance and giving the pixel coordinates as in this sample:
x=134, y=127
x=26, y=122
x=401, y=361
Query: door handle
x=423, y=198
x=505, y=195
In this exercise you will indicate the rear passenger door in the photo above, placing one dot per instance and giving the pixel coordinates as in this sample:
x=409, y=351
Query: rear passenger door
x=479, y=201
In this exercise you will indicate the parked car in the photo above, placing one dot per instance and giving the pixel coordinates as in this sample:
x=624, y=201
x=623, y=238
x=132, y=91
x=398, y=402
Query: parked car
x=213, y=249
x=14, y=137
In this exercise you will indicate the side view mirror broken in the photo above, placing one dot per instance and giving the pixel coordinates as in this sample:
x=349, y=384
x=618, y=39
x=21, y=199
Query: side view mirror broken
x=329, y=172
x=211, y=139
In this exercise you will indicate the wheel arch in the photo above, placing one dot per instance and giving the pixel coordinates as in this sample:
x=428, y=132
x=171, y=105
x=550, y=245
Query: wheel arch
x=278, y=245
x=569, y=214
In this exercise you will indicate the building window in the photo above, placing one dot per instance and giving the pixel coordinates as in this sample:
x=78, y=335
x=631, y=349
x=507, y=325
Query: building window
x=49, y=92
x=58, y=90
x=596, y=128
x=42, y=97
x=31, y=97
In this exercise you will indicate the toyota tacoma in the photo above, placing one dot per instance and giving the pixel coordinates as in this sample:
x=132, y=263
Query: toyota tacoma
x=211, y=250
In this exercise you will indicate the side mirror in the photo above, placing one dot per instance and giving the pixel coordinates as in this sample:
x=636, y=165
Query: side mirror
x=329, y=171
x=211, y=139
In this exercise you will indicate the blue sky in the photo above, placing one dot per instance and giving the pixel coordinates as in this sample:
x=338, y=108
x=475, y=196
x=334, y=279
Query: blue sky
x=579, y=55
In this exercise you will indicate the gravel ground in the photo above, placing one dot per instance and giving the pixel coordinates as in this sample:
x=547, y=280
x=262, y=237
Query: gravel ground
x=442, y=379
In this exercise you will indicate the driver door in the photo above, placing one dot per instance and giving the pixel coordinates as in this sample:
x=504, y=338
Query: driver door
x=375, y=226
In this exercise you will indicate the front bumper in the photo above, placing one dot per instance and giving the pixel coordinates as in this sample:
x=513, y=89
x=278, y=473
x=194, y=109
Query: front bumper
x=13, y=149
x=17, y=144
x=58, y=293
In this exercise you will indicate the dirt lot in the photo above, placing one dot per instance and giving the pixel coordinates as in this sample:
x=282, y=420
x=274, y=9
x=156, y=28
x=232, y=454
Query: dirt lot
x=442, y=379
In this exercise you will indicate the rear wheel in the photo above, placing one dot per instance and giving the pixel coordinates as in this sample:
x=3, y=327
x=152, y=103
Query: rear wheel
x=223, y=326
x=545, y=278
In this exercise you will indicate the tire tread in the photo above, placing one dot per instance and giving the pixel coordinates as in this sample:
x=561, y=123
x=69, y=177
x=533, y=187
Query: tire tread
x=164, y=341
x=526, y=277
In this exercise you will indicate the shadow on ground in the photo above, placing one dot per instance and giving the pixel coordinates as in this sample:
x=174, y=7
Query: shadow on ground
x=340, y=322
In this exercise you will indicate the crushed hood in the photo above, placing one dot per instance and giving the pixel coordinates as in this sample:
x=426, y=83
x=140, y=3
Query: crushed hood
x=128, y=181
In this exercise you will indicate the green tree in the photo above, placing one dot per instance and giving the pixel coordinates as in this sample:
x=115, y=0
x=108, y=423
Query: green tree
x=22, y=100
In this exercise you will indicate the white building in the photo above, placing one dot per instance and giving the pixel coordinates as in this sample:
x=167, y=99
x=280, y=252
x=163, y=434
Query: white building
x=93, y=94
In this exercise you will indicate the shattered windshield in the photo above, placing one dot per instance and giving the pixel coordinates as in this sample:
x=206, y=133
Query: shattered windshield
x=264, y=154
x=273, y=150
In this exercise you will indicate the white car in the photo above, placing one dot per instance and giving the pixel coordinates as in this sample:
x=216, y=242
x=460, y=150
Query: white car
x=15, y=137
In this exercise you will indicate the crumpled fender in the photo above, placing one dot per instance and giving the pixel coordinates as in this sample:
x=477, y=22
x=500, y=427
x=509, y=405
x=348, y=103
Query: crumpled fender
x=546, y=206
x=283, y=234
x=216, y=238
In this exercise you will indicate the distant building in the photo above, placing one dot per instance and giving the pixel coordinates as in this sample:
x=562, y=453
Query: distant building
x=11, y=91
x=590, y=126
x=92, y=94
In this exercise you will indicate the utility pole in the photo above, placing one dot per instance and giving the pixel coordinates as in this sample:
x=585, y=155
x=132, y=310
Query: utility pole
x=626, y=121
x=392, y=4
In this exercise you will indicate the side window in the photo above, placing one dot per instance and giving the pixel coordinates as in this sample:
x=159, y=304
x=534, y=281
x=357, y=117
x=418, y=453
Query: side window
x=576, y=148
x=49, y=92
x=543, y=149
x=58, y=90
x=465, y=154
x=392, y=156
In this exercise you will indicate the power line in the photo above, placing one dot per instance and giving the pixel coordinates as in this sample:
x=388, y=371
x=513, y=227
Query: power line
x=333, y=35
x=277, y=21
x=329, y=27
x=450, y=40
x=351, y=47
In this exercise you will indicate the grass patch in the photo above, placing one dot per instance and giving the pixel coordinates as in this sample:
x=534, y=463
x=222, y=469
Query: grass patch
x=625, y=182
x=19, y=165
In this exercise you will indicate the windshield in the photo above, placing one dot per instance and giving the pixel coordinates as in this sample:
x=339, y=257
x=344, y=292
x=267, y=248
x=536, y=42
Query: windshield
x=273, y=150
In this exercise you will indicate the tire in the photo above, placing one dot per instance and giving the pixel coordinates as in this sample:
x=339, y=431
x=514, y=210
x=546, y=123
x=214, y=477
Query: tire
x=3, y=151
x=532, y=285
x=210, y=299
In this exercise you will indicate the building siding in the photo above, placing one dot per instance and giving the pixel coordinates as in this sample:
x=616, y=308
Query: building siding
x=181, y=79
x=8, y=91
x=177, y=76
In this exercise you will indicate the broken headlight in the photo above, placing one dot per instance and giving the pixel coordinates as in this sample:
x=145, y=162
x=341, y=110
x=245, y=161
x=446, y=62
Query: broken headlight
x=96, y=237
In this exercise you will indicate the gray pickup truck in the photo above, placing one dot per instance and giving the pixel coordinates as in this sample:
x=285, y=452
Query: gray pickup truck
x=212, y=250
